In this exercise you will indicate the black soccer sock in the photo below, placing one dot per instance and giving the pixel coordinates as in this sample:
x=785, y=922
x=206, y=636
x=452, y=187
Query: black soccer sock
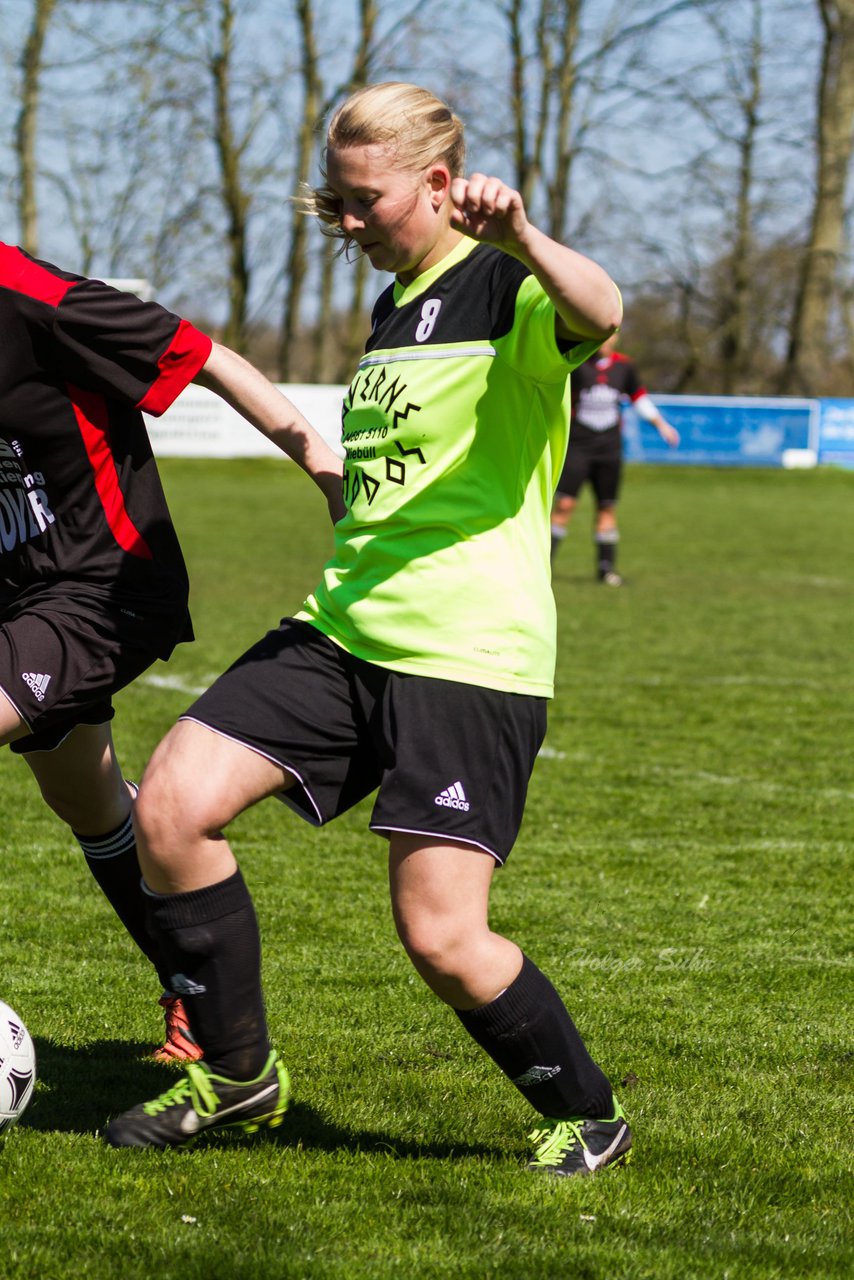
x=606, y=551
x=529, y=1034
x=558, y=536
x=113, y=862
x=210, y=937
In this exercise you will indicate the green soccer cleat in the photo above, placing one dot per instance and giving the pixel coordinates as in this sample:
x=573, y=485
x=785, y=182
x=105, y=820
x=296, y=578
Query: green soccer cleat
x=580, y=1147
x=201, y=1100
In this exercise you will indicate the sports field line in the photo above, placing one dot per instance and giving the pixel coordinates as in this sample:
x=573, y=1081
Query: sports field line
x=700, y=776
x=809, y=580
x=781, y=682
x=175, y=683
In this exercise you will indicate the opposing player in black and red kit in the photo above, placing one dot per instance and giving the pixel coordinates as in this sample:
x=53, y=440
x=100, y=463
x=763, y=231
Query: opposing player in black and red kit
x=93, y=586
x=601, y=386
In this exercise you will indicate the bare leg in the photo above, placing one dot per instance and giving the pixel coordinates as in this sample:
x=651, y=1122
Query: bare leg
x=81, y=780
x=11, y=724
x=440, y=901
x=606, y=537
x=199, y=908
x=562, y=512
x=196, y=782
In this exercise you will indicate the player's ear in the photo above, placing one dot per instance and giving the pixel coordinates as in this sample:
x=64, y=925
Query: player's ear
x=439, y=182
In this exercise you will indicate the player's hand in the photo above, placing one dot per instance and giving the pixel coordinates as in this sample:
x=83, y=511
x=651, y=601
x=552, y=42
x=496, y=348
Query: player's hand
x=487, y=209
x=669, y=434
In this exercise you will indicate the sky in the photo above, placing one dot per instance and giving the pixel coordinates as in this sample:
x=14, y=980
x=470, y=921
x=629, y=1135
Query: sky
x=632, y=190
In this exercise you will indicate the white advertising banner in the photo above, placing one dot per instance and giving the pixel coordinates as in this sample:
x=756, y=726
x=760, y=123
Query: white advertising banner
x=200, y=425
x=723, y=431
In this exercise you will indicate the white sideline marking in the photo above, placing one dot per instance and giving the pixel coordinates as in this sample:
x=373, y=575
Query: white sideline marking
x=550, y=753
x=750, y=784
x=174, y=682
x=812, y=580
x=781, y=682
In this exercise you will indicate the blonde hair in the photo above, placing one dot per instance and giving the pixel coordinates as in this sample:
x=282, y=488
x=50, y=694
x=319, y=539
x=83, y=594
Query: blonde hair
x=420, y=128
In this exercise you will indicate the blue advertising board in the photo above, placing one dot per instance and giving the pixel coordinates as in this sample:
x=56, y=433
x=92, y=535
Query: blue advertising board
x=728, y=431
x=836, y=441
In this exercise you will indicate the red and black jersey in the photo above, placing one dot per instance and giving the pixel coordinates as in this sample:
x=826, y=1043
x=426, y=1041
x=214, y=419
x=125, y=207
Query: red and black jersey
x=600, y=386
x=84, y=524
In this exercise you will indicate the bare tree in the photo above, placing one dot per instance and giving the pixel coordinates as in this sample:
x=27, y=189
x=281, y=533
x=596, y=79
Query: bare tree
x=25, y=131
x=235, y=196
x=818, y=285
x=528, y=138
x=734, y=303
x=297, y=262
x=569, y=60
x=320, y=365
x=327, y=358
x=568, y=17
x=354, y=332
x=732, y=116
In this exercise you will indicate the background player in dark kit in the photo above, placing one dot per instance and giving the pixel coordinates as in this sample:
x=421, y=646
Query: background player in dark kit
x=600, y=388
x=93, y=586
x=403, y=671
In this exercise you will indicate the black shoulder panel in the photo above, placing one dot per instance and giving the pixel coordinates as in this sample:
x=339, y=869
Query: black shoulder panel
x=473, y=301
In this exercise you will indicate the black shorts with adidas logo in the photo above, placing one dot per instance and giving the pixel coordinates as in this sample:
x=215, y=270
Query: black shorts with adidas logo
x=59, y=669
x=450, y=760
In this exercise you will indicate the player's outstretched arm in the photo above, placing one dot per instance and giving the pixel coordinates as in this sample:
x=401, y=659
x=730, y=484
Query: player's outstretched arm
x=645, y=408
x=242, y=386
x=668, y=433
x=584, y=295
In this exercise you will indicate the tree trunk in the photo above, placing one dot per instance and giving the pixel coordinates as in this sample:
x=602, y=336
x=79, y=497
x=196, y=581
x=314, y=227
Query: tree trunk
x=320, y=369
x=569, y=19
x=25, y=131
x=734, y=341
x=354, y=336
x=297, y=263
x=351, y=347
x=818, y=284
x=235, y=199
x=528, y=149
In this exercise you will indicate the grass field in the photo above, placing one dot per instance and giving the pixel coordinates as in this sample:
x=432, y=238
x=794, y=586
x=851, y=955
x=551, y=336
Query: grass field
x=683, y=875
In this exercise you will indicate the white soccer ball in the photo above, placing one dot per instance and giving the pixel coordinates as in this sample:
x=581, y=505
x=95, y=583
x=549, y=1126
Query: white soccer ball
x=17, y=1067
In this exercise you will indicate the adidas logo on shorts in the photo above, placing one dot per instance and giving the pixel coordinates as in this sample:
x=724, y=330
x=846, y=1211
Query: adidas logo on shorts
x=453, y=797
x=38, y=683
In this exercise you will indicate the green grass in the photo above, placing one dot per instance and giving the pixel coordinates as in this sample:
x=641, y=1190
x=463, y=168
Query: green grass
x=681, y=875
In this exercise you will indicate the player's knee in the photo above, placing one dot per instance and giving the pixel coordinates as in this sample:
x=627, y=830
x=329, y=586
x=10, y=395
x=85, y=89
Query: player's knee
x=168, y=818
x=150, y=818
x=437, y=946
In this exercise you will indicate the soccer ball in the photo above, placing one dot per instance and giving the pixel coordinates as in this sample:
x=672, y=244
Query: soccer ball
x=17, y=1067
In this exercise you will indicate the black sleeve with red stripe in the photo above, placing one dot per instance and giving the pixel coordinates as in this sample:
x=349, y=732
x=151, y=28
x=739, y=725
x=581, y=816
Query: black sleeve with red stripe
x=105, y=339
x=632, y=385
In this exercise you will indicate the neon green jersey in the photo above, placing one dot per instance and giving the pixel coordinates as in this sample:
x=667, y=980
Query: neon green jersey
x=455, y=429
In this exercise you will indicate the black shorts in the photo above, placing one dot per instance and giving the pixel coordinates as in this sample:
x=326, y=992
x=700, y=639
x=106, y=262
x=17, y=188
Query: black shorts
x=597, y=458
x=451, y=760
x=59, y=670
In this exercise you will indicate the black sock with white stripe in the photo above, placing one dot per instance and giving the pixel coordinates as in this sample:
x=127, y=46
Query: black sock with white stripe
x=606, y=543
x=529, y=1034
x=113, y=862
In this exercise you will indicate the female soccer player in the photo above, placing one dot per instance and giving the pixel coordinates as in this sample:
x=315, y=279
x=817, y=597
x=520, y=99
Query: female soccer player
x=93, y=587
x=422, y=663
